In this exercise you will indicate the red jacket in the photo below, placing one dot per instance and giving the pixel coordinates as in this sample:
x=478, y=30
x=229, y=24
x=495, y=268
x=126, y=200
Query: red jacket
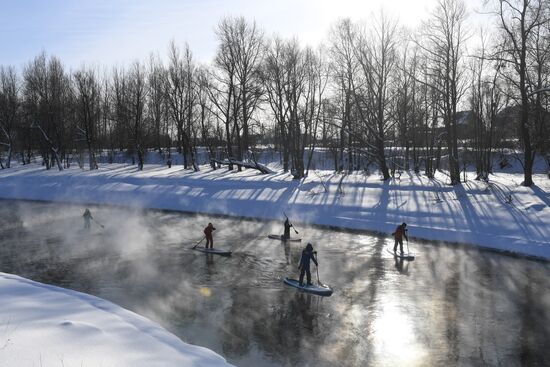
x=400, y=232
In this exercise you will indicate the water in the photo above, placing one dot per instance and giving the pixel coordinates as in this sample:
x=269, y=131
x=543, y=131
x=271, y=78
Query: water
x=451, y=306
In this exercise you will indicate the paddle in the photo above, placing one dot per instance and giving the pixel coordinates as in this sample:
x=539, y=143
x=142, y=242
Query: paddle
x=318, y=280
x=291, y=223
x=194, y=247
x=99, y=224
x=317, y=269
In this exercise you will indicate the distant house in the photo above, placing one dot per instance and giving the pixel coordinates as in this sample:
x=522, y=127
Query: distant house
x=506, y=126
x=465, y=121
x=507, y=122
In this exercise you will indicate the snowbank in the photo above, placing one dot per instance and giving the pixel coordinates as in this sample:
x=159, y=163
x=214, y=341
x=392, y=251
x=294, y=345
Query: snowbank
x=500, y=215
x=42, y=325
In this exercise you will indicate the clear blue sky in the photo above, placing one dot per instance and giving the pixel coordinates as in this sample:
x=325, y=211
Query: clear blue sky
x=119, y=31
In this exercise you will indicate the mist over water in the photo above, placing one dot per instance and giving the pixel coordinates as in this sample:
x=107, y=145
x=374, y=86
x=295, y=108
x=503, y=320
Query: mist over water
x=456, y=306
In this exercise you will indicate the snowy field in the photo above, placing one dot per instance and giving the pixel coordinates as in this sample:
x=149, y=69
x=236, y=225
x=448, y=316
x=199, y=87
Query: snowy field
x=501, y=215
x=42, y=325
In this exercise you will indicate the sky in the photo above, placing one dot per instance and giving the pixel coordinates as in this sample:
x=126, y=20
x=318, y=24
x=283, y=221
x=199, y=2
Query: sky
x=118, y=32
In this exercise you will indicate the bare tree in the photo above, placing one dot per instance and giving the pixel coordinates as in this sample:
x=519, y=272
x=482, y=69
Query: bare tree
x=485, y=101
x=273, y=79
x=443, y=44
x=345, y=68
x=519, y=21
x=250, y=50
x=47, y=100
x=238, y=62
x=205, y=107
x=318, y=75
x=180, y=96
x=9, y=111
x=387, y=101
x=428, y=105
x=376, y=52
x=120, y=110
x=223, y=89
x=407, y=109
x=157, y=106
x=303, y=89
x=539, y=82
x=137, y=94
x=297, y=97
x=88, y=110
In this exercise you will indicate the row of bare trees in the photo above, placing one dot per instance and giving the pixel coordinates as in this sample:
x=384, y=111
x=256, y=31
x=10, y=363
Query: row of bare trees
x=374, y=92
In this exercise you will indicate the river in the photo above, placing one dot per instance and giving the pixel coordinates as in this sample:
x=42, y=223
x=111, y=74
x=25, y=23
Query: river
x=450, y=306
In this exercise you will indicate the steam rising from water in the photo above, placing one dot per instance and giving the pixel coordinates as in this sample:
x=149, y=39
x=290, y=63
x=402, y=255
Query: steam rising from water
x=444, y=307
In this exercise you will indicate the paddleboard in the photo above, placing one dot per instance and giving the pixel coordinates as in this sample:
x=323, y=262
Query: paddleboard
x=404, y=256
x=214, y=251
x=320, y=290
x=280, y=238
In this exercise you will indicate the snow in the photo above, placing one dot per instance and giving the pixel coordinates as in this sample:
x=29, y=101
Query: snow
x=501, y=215
x=43, y=325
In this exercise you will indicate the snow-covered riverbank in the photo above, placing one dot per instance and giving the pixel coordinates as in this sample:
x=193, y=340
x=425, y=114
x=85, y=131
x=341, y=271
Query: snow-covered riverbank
x=43, y=325
x=500, y=215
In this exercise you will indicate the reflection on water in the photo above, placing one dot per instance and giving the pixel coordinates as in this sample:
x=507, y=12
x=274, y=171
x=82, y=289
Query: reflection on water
x=448, y=307
x=394, y=338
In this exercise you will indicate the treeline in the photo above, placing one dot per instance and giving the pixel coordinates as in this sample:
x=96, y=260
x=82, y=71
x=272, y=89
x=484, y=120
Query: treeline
x=368, y=88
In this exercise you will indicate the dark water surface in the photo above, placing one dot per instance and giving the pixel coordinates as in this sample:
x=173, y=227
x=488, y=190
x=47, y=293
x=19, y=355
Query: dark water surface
x=451, y=306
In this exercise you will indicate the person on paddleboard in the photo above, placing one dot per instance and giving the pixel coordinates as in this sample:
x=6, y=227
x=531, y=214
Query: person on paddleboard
x=307, y=255
x=87, y=218
x=400, y=232
x=208, y=234
x=286, y=234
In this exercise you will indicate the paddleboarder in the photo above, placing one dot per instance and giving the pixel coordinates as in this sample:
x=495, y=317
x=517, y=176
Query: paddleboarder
x=87, y=218
x=208, y=235
x=287, y=225
x=400, y=232
x=307, y=255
